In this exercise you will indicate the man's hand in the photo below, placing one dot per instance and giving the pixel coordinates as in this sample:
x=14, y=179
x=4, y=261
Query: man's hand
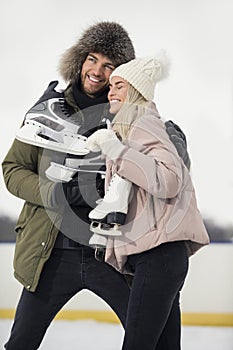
x=178, y=138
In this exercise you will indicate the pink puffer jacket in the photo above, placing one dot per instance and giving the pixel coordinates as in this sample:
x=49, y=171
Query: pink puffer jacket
x=163, y=206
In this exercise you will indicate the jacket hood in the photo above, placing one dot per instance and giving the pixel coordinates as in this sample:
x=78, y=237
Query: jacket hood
x=107, y=38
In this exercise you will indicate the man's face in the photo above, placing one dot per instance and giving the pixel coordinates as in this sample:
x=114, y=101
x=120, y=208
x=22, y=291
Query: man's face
x=95, y=73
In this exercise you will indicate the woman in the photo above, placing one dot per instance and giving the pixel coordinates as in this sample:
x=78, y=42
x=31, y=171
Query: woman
x=163, y=226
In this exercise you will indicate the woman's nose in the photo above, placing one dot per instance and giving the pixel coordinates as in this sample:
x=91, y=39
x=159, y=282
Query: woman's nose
x=112, y=90
x=110, y=93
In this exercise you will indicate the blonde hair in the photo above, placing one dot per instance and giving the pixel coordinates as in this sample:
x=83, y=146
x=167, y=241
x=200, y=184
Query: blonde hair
x=133, y=108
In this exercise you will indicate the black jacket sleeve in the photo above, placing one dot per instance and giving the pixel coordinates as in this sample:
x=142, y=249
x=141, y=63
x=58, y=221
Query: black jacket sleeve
x=84, y=190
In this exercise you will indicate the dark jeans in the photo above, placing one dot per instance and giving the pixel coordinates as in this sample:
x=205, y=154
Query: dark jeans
x=153, y=317
x=66, y=273
x=69, y=271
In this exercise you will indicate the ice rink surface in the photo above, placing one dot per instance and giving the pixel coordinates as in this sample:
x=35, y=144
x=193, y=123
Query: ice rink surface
x=89, y=335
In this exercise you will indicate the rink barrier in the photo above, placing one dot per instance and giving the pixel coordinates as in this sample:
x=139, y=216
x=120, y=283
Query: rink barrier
x=188, y=319
x=206, y=298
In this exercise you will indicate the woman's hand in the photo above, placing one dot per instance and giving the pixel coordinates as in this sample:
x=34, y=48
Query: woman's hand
x=106, y=142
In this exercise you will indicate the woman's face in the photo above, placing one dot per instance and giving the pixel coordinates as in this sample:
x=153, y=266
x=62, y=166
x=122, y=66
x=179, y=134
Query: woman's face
x=118, y=89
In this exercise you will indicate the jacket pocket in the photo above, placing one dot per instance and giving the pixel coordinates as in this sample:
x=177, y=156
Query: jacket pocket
x=25, y=217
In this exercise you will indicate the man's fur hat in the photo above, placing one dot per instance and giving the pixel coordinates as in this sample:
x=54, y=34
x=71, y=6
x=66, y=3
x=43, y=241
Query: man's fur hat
x=107, y=38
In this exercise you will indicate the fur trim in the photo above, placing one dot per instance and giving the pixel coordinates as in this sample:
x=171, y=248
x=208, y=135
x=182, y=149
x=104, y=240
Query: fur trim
x=108, y=38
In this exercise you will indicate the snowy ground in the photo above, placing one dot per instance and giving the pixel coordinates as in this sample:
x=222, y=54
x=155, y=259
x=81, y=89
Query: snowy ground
x=88, y=335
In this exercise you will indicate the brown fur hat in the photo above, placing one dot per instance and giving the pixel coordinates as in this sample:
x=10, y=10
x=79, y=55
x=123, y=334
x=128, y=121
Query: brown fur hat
x=107, y=38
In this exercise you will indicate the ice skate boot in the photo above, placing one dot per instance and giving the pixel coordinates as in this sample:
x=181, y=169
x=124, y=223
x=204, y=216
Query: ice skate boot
x=98, y=241
x=46, y=126
x=110, y=213
x=64, y=172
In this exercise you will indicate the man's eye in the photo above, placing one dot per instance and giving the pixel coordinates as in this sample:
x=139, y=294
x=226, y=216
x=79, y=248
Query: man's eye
x=91, y=59
x=110, y=68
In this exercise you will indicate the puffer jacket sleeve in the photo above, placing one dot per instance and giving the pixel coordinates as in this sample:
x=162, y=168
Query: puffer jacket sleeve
x=150, y=159
x=21, y=175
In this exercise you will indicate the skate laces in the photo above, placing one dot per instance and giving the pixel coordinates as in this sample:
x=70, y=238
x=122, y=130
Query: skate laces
x=100, y=200
x=111, y=182
x=60, y=108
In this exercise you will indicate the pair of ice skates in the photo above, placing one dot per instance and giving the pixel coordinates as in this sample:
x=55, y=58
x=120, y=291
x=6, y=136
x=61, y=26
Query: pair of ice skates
x=46, y=126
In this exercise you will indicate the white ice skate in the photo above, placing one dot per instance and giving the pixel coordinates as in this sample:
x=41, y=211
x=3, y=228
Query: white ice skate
x=46, y=126
x=110, y=213
x=98, y=241
x=63, y=173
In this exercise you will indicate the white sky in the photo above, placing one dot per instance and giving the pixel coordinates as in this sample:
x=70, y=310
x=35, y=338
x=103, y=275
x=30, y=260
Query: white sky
x=197, y=95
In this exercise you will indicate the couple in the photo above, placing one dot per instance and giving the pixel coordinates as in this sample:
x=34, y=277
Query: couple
x=52, y=258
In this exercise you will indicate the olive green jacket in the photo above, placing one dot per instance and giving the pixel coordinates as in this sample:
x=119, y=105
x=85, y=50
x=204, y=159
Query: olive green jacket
x=38, y=224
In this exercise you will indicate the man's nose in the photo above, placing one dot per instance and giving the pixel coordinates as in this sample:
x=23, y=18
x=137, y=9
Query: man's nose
x=98, y=69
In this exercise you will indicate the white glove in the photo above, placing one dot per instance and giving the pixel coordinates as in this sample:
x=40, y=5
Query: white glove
x=106, y=141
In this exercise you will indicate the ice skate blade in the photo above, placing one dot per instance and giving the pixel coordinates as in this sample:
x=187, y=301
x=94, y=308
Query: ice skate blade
x=105, y=229
x=30, y=134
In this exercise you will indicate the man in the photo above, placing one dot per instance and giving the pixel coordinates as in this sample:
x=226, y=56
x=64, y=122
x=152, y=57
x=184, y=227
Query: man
x=52, y=258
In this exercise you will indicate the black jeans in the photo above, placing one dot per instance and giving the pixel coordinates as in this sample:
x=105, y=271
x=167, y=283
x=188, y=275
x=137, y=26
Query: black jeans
x=65, y=274
x=153, y=317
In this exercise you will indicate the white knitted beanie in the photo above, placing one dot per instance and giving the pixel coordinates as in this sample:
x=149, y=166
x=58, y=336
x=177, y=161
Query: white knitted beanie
x=142, y=74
